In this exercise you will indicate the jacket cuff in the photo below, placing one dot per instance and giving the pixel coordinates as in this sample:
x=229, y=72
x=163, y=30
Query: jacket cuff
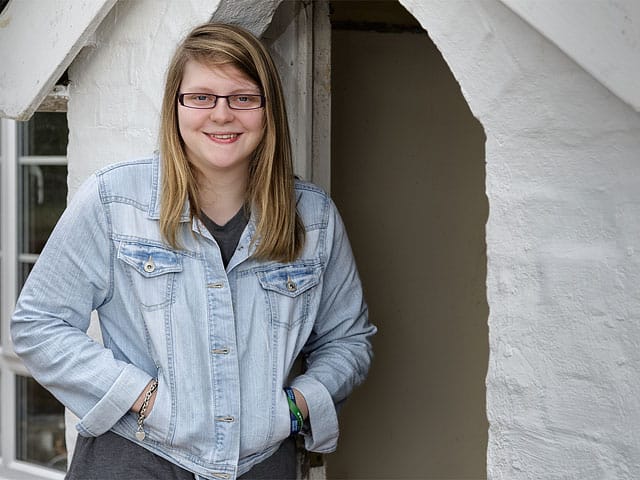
x=322, y=437
x=116, y=402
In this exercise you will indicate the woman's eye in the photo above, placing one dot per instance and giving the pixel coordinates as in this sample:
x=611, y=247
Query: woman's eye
x=201, y=98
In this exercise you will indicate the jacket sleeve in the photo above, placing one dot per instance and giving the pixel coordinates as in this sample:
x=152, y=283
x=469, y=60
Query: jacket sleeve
x=338, y=352
x=72, y=277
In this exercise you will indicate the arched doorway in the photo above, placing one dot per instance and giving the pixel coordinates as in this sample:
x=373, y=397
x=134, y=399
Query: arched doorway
x=408, y=174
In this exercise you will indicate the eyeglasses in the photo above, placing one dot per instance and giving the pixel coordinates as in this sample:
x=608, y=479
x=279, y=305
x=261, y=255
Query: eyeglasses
x=240, y=101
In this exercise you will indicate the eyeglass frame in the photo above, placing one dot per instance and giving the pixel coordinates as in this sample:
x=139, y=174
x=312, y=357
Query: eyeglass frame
x=226, y=97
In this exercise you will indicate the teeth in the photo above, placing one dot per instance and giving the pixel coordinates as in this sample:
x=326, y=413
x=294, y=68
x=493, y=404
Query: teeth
x=225, y=136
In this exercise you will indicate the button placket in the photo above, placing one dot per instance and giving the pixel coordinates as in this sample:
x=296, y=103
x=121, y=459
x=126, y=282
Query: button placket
x=222, y=352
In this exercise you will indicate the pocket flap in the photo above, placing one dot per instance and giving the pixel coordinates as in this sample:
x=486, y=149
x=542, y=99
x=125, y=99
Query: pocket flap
x=149, y=260
x=290, y=280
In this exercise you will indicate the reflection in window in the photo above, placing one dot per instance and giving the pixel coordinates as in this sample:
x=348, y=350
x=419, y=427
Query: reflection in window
x=40, y=426
x=42, y=184
x=44, y=194
x=46, y=133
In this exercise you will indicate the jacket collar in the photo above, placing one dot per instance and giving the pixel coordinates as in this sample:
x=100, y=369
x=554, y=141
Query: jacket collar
x=156, y=185
x=154, y=209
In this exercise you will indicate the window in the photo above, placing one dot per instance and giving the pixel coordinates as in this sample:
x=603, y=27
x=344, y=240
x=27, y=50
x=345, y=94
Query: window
x=33, y=191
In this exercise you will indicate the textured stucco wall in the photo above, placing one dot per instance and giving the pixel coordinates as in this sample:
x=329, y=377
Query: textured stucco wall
x=563, y=171
x=602, y=36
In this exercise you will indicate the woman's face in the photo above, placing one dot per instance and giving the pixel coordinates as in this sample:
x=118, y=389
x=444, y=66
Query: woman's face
x=219, y=140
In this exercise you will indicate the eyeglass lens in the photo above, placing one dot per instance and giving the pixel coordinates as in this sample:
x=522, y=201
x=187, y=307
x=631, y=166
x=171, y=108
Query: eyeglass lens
x=206, y=100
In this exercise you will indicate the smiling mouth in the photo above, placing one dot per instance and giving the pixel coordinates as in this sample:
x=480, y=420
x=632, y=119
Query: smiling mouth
x=224, y=136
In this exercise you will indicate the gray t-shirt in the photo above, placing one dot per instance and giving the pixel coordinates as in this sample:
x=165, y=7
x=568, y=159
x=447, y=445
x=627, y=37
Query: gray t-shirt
x=228, y=235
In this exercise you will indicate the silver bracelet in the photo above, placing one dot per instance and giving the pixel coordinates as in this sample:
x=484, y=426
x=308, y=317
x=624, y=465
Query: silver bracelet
x=143, y=409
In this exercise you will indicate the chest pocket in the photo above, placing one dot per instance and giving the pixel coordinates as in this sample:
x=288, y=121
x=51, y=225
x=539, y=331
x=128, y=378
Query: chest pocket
x=151, y=271
x=289, y=290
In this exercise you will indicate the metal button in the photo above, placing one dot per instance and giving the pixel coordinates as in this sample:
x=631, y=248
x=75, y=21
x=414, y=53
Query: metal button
x=291, y=285
x=221, y=475
x=216, y=285
x=227, y=419
x=150, y=266
x=220, y=351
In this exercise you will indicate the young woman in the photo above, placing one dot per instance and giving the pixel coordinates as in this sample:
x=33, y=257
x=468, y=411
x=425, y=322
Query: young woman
x=212, y=269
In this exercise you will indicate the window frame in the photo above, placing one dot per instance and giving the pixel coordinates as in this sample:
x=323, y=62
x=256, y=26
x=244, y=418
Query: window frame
x=10, y=258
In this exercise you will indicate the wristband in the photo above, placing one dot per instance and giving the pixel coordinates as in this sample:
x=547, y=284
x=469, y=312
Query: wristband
x=297, y=420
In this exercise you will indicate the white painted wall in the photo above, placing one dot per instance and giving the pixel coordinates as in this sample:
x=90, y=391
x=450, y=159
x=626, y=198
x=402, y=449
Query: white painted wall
x=38, y=41
x=600, y=35
x=563, y=178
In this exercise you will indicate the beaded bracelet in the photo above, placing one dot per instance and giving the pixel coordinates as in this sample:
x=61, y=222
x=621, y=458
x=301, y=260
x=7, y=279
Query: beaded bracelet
x=297, y=420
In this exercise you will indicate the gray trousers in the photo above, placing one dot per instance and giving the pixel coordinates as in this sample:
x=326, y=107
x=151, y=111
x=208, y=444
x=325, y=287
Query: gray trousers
x=111, y=456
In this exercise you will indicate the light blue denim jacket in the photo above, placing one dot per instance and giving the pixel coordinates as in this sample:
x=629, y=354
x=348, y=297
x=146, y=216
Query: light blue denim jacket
x=222, y=342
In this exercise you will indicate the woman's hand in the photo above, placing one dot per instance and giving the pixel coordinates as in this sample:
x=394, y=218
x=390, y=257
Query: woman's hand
x=140, y=400
x=301, y=403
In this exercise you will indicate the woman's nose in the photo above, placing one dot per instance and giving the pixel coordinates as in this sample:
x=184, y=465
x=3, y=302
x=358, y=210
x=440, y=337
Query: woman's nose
x=221, y=111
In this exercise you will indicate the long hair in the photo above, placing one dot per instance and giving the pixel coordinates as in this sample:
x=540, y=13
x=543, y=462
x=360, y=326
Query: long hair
x=270, y=191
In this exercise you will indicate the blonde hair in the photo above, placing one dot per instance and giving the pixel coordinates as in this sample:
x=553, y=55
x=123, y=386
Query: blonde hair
x=270, y=191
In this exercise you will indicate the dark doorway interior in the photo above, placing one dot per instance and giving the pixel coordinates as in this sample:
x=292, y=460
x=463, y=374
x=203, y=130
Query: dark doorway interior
x=408, y=174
